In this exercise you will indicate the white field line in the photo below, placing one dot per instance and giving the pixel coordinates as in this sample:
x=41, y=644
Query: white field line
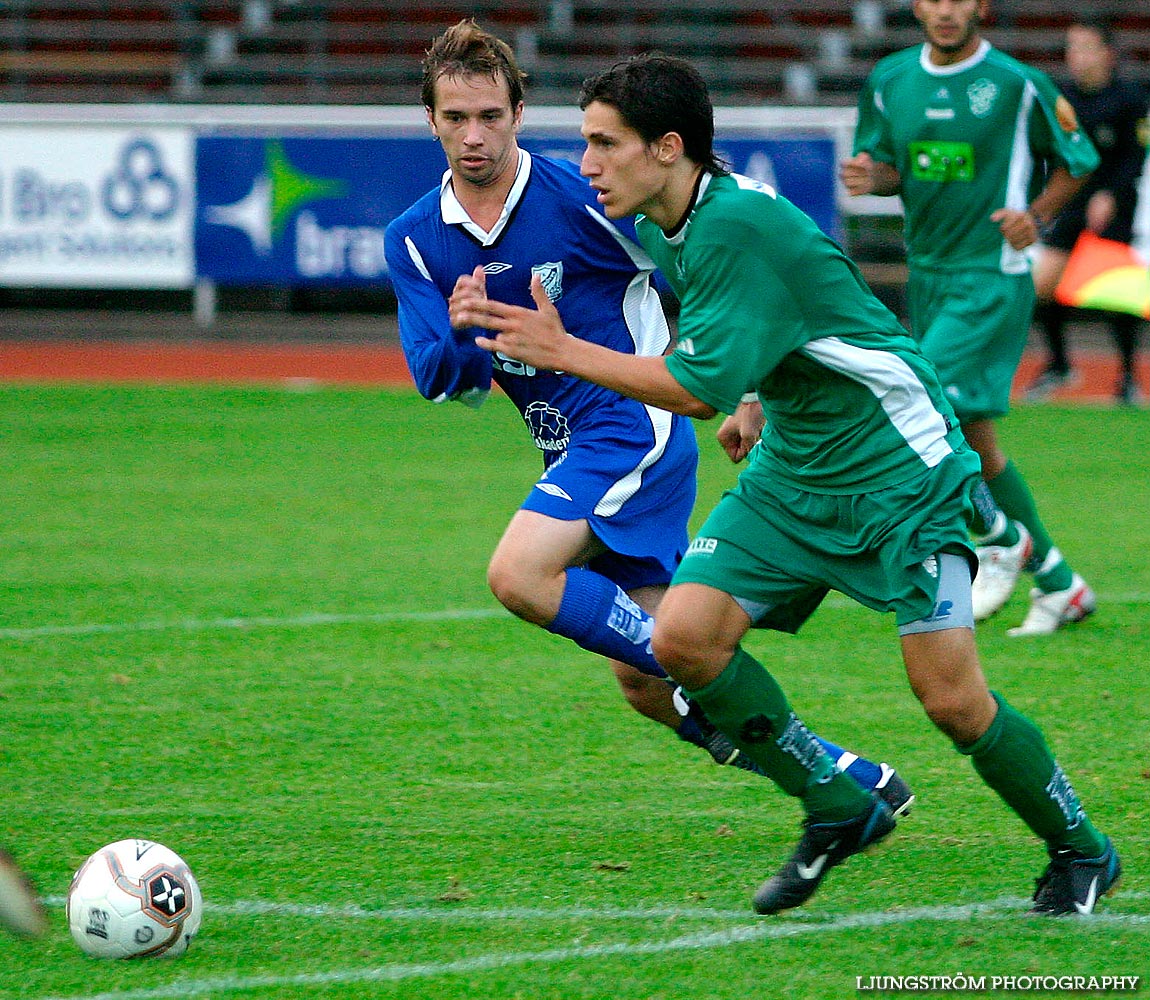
x=834, y=601
x=453, y=914
x=255, y=622
x=536, y=914
x=758, y=930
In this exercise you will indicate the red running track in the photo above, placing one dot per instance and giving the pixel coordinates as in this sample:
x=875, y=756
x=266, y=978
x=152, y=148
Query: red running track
x=342, y=364
x=157, y=362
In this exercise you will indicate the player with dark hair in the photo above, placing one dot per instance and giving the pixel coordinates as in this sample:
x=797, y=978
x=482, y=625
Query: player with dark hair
x=591, y=550
x=1112, y=111
x=861, y=481
x=985, y=152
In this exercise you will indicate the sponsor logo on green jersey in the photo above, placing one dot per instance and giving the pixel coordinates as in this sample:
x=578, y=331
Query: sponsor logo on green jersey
x=934, y=160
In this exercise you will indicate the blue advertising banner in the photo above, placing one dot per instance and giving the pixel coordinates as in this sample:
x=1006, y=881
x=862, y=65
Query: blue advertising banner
x=297, y=211
x=312, y=210
x=800, y=167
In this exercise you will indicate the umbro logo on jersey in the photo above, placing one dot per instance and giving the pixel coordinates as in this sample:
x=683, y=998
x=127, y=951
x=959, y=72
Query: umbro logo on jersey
x=496, y=267
x=553, y=490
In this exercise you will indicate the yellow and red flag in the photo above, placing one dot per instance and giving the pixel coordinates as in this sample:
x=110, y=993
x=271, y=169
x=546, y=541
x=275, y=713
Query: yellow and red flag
x=1105, y=274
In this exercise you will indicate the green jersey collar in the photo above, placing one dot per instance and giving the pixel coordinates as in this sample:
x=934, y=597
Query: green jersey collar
x=679, y=234
x=974, y=60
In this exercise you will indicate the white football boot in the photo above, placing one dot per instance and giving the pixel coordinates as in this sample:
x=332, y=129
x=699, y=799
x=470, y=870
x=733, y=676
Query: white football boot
x=998, y=570
x=1049, y=612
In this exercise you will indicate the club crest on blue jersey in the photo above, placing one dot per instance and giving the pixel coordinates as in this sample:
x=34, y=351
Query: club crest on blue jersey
x=551, y=274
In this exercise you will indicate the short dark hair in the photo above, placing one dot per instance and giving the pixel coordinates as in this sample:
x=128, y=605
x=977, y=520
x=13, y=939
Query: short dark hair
x=465, y=49
x=656, y=94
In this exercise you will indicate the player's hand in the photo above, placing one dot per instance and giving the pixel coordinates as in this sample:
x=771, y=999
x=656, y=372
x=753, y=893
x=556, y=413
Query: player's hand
x=469, y=289
x=857, y=174
x=1018, y=228
x=741, y=431
x=1100, y=211
x=534, y=336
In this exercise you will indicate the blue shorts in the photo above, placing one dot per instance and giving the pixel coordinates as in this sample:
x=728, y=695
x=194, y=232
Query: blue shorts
x=636, y=495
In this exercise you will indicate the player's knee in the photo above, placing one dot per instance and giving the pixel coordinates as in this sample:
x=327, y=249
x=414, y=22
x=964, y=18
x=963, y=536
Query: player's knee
x=959, y=714
x=679, y=647
x=667, y=645
x=515, y=589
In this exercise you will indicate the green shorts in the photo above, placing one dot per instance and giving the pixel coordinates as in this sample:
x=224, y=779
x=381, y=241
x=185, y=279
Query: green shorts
x=778, y=550
x=973, y=326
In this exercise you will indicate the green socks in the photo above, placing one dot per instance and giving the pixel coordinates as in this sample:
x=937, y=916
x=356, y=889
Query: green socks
x=748, y=705
x=1012, y=758
x=1012, y=494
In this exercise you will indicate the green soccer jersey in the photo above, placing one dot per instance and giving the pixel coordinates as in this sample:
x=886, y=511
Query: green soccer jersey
x=770, y=304
x=967, y=140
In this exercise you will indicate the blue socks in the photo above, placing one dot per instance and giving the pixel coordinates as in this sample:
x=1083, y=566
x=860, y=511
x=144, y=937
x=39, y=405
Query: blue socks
x=600, y=617
x=866, y=774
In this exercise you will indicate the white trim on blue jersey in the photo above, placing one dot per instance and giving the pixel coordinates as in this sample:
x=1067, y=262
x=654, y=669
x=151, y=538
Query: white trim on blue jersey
x=599, y=278
x=630, y=484
x=642, y=308
x=454, y=213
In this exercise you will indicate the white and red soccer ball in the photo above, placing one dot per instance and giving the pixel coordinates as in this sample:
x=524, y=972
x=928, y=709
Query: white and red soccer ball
x=134, y=899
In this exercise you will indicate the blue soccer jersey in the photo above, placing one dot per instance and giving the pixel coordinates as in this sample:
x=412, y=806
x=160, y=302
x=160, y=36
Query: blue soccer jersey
x=627, y=468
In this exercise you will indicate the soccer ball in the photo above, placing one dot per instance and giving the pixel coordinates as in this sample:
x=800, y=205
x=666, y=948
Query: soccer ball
x=134, y=899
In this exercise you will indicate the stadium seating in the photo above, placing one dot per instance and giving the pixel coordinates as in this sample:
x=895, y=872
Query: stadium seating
x=368, y=51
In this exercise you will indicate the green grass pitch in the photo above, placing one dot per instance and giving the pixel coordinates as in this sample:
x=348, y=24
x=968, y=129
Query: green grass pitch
x=252, y=624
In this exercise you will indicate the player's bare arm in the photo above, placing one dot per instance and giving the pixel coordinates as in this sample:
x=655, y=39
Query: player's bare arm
x=863, y=174
x=1021, y=227
x=537, y=337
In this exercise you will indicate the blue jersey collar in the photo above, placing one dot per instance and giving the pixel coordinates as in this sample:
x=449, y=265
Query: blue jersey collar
x=454, y=214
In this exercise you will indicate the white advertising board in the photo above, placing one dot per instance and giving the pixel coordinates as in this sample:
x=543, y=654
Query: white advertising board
x=96, y=207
